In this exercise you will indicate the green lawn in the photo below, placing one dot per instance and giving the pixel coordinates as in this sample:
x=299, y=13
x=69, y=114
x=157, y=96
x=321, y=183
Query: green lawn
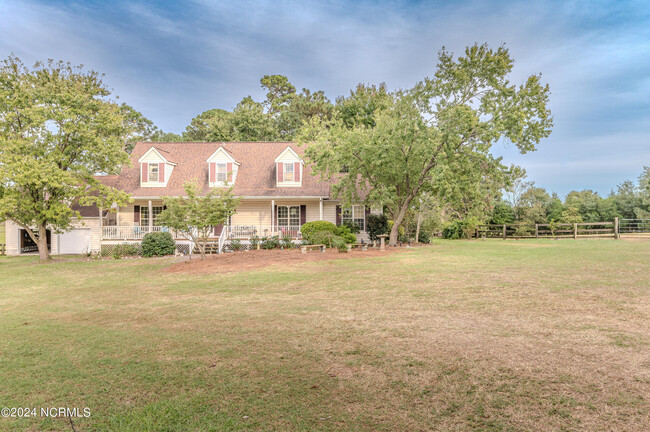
x=481, y=335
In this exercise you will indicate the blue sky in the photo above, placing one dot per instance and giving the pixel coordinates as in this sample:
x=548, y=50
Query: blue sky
x=172, y=61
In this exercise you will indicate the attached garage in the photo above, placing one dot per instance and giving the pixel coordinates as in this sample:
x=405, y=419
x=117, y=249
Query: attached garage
x=76, y=241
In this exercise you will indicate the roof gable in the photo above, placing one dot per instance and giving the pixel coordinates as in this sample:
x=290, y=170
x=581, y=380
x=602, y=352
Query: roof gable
x=287, y=154
x=222, y=151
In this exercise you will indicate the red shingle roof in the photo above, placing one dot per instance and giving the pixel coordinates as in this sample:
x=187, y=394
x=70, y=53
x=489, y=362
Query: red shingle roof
x=256, y=175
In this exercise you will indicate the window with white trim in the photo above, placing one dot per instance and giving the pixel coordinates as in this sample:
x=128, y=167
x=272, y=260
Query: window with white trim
x=153, y=172
x=144, y=215
x=355, y=215
x=222, y=172
x=288, y=175
x=288, y=216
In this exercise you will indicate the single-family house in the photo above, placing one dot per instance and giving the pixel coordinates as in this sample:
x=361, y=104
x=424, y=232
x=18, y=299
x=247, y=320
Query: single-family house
x=277, y=189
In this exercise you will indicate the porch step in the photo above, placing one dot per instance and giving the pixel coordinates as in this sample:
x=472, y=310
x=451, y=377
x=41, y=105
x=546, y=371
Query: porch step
x=210, y=248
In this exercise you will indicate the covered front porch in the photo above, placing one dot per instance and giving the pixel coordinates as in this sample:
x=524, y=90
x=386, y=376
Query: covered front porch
x=254, y=218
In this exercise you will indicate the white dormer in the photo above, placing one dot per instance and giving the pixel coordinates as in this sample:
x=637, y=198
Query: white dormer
x=222, y=169
x=155, y=169
x=288, y=169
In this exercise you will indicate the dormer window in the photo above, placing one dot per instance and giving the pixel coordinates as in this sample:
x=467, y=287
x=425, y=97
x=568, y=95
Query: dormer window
x=222, y=172
x=288, y=172
x=153, y=172
x=288, y=169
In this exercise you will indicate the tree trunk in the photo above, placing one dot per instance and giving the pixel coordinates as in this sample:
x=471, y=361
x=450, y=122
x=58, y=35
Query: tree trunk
x=417, y=230
x=394, y=231
x=43, y=252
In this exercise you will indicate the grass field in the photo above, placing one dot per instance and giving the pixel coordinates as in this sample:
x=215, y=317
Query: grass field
x=481, y=335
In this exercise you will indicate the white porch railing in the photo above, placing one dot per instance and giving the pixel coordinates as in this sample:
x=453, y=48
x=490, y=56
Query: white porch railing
x=245, y=232
x=238, y=232
x=133, y=232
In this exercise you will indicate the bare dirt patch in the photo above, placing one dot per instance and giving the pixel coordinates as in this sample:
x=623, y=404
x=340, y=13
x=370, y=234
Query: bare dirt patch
x=251, y=260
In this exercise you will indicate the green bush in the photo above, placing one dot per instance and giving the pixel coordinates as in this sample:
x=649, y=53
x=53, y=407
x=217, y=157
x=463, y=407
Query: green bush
x=376, y=225
x=255, y=241
x=310, y=228
x=424, y=237
x=327, y=238
x=453, y=230
x=272, y=242
x=125, y=249
x=287, y=242
x=236, y=245
x=158, y=244
x=460, y=229
x=353, y=227
x=343, y=231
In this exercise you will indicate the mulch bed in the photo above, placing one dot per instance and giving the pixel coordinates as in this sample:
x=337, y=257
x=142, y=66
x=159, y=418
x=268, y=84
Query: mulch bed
x=250, y=260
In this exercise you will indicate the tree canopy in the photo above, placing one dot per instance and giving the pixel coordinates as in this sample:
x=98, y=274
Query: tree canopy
x=58, y=128
x=392, y=145
x=196, y=216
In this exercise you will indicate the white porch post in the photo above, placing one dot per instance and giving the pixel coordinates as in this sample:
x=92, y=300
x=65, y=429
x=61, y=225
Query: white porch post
x=272, y=216
x=321, y=209
x=150, y=216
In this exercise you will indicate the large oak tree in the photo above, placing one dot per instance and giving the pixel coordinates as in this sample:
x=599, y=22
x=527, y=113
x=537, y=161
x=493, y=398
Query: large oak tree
x=58, y=128
x=391, y=147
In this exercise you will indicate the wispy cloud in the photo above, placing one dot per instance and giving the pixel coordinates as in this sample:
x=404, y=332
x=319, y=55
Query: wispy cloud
x=174, y=60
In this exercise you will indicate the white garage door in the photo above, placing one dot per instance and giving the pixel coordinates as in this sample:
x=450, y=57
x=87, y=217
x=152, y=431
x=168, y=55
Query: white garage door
x=74, y=242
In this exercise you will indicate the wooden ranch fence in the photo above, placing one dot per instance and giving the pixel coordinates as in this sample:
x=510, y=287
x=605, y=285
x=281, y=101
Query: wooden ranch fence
x=558, y=230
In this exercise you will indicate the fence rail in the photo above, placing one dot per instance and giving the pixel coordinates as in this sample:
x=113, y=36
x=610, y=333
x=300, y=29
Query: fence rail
x=555, y=230
x=635, y=226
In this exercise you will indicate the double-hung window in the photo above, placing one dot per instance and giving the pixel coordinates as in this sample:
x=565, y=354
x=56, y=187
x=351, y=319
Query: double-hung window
x=288, y=216
x=288, y=172
x=144, y=215
x=355, y=215
x=153, y=172
x=222, y=173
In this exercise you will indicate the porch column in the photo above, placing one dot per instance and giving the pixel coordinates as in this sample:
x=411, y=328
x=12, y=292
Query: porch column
x=321, y=209
x=150, y=217
x=272, y=216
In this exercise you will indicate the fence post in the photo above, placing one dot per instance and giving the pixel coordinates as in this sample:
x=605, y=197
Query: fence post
x=536, y=230
x=575, y=231
x=616, y=233
x=504, y=231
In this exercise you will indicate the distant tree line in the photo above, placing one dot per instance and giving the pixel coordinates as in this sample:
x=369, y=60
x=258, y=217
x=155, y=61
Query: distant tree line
x=526, y=203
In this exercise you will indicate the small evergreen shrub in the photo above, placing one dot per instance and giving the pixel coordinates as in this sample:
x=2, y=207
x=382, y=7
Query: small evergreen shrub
x=125, y=249
x=353, y=227
x=310, y=228
x=344, y=232
x=272, y=242
x=236, y=245
x=327, y=238
x=158, y=244
x=453, y=230
x=376, y=225
x=255, y=241
x=286, y=242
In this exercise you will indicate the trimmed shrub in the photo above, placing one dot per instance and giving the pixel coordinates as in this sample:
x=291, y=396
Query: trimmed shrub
x=353, y=227
x=125, y=249
x=310, y=228
x=327, y=238
x=424, y=237
x=158, y=244
x=376, y=225
x=344, y=232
